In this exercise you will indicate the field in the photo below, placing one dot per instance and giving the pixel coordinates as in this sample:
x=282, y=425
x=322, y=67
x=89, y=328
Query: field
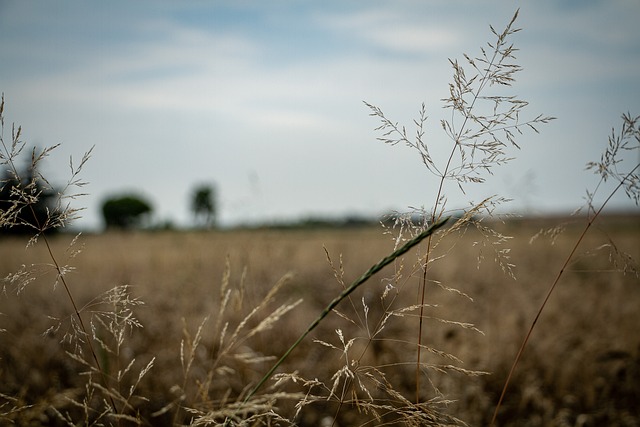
x=299, y=327
x=581, y=367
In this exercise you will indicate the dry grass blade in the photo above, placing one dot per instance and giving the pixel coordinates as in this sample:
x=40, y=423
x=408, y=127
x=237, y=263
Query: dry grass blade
x=629, y=183
x=362, y=279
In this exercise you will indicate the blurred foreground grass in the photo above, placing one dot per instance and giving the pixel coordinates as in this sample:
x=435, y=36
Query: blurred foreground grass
x=582, y=366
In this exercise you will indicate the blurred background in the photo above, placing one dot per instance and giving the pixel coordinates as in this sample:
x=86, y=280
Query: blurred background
x=261, y=102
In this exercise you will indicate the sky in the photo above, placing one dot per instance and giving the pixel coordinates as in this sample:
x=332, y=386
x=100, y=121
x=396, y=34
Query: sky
x=265, y=100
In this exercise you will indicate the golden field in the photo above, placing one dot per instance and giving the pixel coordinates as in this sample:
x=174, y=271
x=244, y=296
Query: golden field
x=581, y=367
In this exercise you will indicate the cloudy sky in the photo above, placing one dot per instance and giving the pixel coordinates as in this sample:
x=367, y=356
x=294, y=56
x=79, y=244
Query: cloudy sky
x=265, y=99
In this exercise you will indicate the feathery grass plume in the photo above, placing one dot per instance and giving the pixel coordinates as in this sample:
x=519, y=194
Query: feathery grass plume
x=22, y=210
x=112, y=321
x=610, y=166
x=10, y=407
x=192, y=345
x=231, y=351
x=615, y=164
x=484, y=123
x=26, y=192
x=345, y=371
x=612, y=162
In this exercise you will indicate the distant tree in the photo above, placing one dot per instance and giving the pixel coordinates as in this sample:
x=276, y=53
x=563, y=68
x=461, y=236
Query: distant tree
x=203, y=205
x=27, y=204
x=125, y=212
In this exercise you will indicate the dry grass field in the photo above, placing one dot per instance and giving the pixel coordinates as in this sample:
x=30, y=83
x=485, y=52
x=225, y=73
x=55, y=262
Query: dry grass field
x=186, y=328
x=581, y=368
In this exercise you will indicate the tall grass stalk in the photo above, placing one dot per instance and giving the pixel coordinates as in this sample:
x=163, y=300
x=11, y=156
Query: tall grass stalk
x=478, y=143
x=630, y=182
x=28, y=195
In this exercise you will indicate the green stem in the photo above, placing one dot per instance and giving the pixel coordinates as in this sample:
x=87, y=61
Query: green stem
x=366, y=276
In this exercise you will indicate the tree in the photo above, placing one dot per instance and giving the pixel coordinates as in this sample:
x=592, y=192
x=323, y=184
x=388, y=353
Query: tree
x=125, y=212
x=203, y=205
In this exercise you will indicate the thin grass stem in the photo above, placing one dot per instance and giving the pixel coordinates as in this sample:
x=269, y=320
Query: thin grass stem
x=59, y=271
x=550, y=291
x=434, y=213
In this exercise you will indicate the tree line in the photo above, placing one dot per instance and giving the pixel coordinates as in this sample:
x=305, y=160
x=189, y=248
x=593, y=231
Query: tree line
x=124, y=211
x=128, y=211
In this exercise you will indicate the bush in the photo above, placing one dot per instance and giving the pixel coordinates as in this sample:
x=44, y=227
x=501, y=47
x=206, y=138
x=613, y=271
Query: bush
x=125, y=212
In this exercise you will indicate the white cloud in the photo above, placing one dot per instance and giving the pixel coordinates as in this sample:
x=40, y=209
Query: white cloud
x=416, y=39
x=395, y=32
